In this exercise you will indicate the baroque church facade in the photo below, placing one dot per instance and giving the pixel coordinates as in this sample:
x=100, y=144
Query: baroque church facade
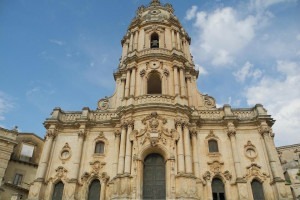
x=157, y=136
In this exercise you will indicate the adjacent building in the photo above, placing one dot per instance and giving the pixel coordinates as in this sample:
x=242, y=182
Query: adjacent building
x=22, y=158
x=157, y=136
x=290, y=159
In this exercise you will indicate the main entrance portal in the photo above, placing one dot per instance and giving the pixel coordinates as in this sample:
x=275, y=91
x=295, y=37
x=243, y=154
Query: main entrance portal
x=154, y=182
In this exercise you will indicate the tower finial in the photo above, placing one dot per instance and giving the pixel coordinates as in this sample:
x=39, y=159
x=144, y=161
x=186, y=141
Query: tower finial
x=155, y=2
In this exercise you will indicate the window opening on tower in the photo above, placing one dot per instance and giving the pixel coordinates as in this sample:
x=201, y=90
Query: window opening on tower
x=154, y=83
x=154, y=40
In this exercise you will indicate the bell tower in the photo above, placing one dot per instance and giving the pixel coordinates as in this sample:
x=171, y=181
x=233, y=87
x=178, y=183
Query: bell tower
x=156, y=60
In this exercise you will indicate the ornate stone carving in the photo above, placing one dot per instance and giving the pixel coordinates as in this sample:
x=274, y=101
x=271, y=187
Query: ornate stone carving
x=96, y=166
x=211, y=135
x=207, y=176
x=166, y=72
x=101, y=136
x=65, y=153
x=51, y=133
x=117, y=133
x=82, y=133
x=264, y=129
x=227, y=175
x=254, y=170
x=154, y=130
x=231, y=129
x=142, y=72
x=103, y=104
x=60, y=172
x=216, y=166
x=250, y=151
x=209, y=102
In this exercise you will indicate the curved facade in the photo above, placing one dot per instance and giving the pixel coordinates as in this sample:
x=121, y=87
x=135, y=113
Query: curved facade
x=157, y=136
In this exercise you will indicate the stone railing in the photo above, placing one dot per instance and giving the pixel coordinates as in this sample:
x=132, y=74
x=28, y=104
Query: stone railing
x=154, y=99
x=69, y=117
x=211, y=114
x=98, y=116
x=244, y=114
x=154, y=51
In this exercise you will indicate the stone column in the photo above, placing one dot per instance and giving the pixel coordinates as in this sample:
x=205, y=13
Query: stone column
x=176, y=81
x=180, y=151
x=195, y=154
x=182, y=83
x=265, y=132
x=132, y=82
x=178, y=41
x=189, y=85
x=128, y=149
x=122, y=150
x=117, y=151
x=136, y=36
x=104, y=180
x=173, y=39
x=41, y=172
x=127, y=83
x=122, y=89
x=79, y=156
x=131, y=42
x=187, y=149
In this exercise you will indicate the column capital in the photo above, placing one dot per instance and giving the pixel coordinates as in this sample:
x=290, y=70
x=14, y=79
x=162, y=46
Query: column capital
x=231, y=131
x=51, y=133
x=178, y=123
x=124, y=125
x=82, y=133
x=117, y=133
x=193, y=132
x=264, y=129
x=130, y=124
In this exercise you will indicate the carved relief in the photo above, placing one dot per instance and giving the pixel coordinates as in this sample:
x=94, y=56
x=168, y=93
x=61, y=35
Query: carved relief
x=96, y=166
x=250, y=151
x=254, y=170
x=103, y=104
x=51, y=133
x=216, y=166
x=101, y=137
x=211, y=135
x=231, y=131
x=154, y=130
x=209, y=102
x=65, y=153
x=264, y=129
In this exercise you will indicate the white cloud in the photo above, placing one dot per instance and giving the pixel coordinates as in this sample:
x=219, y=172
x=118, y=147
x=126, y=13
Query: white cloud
x=6, y=104
x=191, y=13
x=247, y=71
x=281, y=97
x=222, y=34
x=264, y=4
x=57, y=42
x=298, y=37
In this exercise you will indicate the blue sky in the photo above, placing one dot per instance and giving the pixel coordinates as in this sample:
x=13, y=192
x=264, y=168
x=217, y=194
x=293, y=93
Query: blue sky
x=63, y=53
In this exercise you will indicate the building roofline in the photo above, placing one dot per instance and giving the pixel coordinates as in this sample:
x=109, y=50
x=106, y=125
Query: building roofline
x=33, y=134
x=288, y=146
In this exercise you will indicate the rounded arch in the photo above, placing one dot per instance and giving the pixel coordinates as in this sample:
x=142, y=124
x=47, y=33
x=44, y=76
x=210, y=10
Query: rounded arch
x=149, y=149
x=218, y=188
x=154, y=40
x=154, y=83
x=94, y=189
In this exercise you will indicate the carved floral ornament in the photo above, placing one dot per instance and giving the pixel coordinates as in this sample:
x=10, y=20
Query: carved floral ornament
x=209, y=102
x=264, y=129
x=101, y=137
x=154, y=131
x=51, y=133
x=254, y=170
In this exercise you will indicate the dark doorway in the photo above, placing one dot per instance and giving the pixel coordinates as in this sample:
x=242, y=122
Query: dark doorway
x=154, y=40
x=257, y=190
x=58, y=191
x=94, y=190
x=154, y=183
x=218, y=190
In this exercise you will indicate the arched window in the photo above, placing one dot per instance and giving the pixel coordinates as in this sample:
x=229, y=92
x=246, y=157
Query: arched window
x=154, y=181
x=58, y=191
x=154, y=40
x=99, y=148
x=257, y=190
x=94, y=190
x=218, y=190
x=213, y=146
x=154, y=83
